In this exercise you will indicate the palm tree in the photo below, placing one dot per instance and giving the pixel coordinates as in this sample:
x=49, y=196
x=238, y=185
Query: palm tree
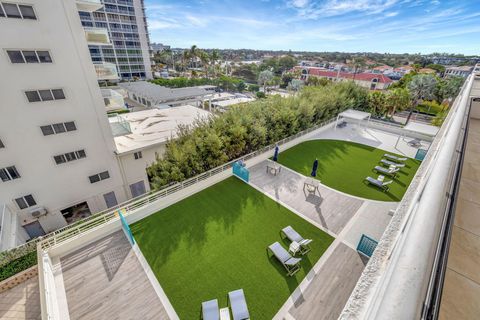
x=185, y=58
x=422, y=87
x=214, y=57
x=358, y=63
x=205, y=59
x=194, y=54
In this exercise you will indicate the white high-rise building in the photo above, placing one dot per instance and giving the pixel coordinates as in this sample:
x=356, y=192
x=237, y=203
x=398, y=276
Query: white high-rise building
x=57, y=152
x=126, y=24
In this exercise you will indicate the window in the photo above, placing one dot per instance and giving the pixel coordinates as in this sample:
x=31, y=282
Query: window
x=15, y=56
x=11, y=10
x=25, y=201
x=29, y=56
x=70, y=156
x=45, y=95
x=9, y=173
x=138, y=155
x=27, y=12
x=99, y=176
x=58, y=128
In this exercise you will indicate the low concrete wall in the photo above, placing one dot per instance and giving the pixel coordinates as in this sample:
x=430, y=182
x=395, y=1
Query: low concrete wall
x=19, y=278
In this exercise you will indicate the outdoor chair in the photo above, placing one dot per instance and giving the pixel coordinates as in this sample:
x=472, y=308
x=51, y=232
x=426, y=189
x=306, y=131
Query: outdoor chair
x=291, y=264
x=390, y=171
x=416, y=143
x=238, y=304
x=210, y=310
x=380, y=184
x=391, y=163
x=394, y=158
x=294, y=236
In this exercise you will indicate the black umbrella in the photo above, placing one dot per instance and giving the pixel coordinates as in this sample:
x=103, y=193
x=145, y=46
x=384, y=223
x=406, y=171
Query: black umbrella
x=314, y=168
x=275, y=155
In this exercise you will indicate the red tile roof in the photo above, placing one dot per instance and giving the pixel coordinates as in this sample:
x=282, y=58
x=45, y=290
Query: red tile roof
x=346, y=75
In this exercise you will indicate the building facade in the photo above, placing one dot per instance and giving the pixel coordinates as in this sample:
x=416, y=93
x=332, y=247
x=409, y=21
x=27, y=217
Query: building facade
x=57, y=152
x=126, y=24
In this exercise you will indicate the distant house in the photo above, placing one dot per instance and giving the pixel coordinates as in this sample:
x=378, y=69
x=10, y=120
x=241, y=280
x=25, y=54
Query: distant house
x=463, y=71
x=382, y=69
x=370, y=81
x=403, y=70
x=427, y=71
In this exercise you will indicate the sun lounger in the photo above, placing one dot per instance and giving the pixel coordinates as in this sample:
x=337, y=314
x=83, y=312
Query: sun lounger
x=394, y=158
x=238, y=304
x=416, y=143
x=380, y=184
x=290, y=263
x=293, y=235
x=391, y=163
x=210, y=310
x=390, y=172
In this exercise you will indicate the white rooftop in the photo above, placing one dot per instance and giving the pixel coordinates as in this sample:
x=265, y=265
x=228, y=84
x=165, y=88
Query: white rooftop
x=354, y=114
x=158, y=94
x=154, y=126
x=231, y=102
x=421, y=128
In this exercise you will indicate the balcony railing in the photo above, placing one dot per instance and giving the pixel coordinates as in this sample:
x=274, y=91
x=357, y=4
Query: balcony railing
x=106, y=71
x=113, y=100
x=89, y=5
x=97, y=36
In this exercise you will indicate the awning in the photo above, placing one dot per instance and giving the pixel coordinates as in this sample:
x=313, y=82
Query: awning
x=421, y=128
x=354, y=114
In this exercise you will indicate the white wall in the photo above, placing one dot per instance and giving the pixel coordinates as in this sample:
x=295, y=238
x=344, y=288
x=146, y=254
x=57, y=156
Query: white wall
x=58, y=29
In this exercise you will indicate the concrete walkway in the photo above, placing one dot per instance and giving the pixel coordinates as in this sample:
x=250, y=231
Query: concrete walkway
x=326, y=289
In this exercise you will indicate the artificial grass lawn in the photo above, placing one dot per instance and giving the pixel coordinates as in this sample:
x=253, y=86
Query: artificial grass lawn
x=344, y=165
x=215, y=241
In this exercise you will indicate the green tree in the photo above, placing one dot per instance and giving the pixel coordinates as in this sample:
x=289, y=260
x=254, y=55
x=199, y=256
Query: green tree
x=422, y=87
x=397, y=100
x=377, y=103
x=264, y=78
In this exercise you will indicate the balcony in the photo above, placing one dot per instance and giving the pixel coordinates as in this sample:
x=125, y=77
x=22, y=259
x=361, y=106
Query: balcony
x=97, y=36
x=106, y=71
x=89, y=5
x=113, y=100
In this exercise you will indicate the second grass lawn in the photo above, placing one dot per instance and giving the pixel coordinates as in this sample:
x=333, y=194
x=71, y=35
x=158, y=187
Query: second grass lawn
x=343, y=165
x=216, y=241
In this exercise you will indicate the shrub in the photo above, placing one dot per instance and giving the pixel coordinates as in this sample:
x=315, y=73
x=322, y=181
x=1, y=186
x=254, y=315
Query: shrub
x=248, y=127
x=261, y=95
x=18, y=265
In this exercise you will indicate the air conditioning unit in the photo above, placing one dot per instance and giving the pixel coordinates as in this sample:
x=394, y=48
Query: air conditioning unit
x=38, y=212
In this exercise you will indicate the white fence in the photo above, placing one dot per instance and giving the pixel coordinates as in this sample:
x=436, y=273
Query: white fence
x=48, y=295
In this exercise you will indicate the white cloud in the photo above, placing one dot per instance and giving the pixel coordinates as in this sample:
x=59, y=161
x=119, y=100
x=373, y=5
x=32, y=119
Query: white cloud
x=391, y=14
x=196, y=21
x=299, y=3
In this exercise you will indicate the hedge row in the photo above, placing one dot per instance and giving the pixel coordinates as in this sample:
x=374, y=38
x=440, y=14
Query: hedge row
x=18, y=265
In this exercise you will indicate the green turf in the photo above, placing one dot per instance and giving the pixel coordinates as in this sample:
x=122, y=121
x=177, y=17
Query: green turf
x=343, y=165
x=215, y=241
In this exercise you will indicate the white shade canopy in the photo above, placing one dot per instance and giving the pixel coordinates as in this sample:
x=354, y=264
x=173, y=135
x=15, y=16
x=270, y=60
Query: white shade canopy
x=421, y=128
x=354, y=114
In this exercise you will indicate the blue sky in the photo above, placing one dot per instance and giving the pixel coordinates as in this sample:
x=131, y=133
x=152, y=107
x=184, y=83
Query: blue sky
x=396, y=26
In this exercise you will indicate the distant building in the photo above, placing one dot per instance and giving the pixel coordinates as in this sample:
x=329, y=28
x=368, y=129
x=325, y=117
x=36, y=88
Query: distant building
x=154, y=96
x=126, y=43
x=370, y=81
x=382, y=69
x=159, y=47
x=403, y=70
x=463, y=71
x=427, y=71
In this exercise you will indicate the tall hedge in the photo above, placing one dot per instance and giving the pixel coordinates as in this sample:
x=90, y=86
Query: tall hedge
x=248, y=127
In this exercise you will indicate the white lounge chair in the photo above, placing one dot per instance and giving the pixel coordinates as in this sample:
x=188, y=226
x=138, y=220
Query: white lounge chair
x=394, y=158
x=238, y=304
x=293, y=235
x=210, y=310
x=380, y=184
x=290, y=263
x=391, y=163
x=392, y=171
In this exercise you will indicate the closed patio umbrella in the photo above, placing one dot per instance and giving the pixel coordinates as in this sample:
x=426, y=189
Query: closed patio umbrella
x=275, y=155
x=314, y=168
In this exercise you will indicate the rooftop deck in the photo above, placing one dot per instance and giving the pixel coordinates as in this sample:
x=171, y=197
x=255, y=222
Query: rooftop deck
x=21, y=302
x=461, y=292
x=104, y=280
